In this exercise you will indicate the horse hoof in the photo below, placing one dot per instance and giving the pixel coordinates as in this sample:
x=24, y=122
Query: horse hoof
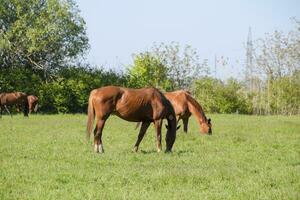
x=135, y=149
x=101, y=149
x=96, y=149
x=158, y=150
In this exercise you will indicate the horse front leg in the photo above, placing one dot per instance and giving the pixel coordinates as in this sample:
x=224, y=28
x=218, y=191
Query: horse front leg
x=25, y=109
x=142, y=132
x=158, y=125
x=98, y=145
x=185, y=124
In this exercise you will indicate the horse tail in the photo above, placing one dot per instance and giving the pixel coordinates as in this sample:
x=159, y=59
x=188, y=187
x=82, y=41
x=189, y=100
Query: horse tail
x=36, y=107
x=91, y=117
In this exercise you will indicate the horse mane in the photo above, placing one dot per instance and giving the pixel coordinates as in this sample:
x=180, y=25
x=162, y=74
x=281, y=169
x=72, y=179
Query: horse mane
x=197, y=111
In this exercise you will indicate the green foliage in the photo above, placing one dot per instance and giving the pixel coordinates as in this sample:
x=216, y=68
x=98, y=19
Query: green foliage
x=278, y=96
x=148, y=70
x=215, y=96
x=69, y=93
x=287, y=94
x=19, y=79
x=167, y=66
x=247, y=157
x=42, y=35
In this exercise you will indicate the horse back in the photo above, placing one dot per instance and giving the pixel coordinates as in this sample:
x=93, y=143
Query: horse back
x=179, y=100
x=13, y=98
x=143, y=104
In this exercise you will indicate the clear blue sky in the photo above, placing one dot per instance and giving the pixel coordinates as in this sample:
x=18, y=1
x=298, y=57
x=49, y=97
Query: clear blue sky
x=119, y=28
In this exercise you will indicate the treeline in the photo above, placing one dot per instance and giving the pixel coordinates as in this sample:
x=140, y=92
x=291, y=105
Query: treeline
x=42, y=43
x=69, y=91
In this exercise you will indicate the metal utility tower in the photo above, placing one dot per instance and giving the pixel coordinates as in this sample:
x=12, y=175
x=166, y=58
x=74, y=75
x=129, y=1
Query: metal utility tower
x=249, y=61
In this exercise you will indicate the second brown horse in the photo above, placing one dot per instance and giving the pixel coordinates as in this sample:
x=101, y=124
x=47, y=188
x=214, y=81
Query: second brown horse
x=14, y=98
x=144, y=105
x=185, y=105
x=32, y=103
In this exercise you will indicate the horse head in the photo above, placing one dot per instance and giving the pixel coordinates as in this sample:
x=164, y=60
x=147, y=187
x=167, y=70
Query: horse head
x=206, y=127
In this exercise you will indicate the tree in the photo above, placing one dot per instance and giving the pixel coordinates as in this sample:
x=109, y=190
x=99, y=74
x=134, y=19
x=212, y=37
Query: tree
x=41, y=35
x=148, y=70
x=277, y=59
x=184, y=65
x=217, y=96
x=69, y=92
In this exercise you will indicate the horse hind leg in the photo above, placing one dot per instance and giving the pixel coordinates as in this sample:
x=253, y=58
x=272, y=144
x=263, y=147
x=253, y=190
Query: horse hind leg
x=158, y=125
x=98, y=145
x=142, y=132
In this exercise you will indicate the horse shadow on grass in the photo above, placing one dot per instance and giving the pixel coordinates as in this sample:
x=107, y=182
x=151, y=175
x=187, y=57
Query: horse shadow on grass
x=179, y=153
x=148, y=152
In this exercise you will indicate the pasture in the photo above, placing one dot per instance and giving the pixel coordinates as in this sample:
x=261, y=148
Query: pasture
x=247, y=157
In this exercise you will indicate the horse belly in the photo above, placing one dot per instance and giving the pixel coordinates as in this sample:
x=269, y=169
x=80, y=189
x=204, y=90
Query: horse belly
x=9, y=101
x=134, y=114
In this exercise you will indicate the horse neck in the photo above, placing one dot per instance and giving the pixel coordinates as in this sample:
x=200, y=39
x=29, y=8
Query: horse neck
x=196, y=109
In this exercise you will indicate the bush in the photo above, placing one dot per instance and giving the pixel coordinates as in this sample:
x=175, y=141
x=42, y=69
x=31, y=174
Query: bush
x=218, y=97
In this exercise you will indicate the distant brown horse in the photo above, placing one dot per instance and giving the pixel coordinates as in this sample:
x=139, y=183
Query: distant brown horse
x=32, y=103
x=144, y=105
x=15, y=98
x=185, y=105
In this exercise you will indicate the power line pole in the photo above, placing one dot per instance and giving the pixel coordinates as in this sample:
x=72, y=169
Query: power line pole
x=253, y=84
x=249, y=62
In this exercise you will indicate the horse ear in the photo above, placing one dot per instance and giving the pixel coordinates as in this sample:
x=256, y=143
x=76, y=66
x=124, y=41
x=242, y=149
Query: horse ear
x=167, y=126
x=178, y=127
x=209, y=120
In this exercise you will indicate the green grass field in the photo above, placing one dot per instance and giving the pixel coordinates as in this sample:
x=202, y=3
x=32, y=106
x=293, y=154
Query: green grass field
x=247, y=157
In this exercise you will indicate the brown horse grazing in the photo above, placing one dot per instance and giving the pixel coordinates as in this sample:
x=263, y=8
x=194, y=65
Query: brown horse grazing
x=185, y=105
x=15, y=98
x=144, y=105
x=32, y=103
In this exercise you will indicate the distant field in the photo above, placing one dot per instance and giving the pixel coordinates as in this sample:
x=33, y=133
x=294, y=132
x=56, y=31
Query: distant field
x=247, y=157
